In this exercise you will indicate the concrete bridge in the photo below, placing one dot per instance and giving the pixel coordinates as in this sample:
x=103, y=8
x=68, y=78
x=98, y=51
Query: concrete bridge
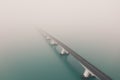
x=89, y=69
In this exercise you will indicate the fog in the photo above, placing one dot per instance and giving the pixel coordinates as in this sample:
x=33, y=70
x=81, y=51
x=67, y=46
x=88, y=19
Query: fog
x=92, y=20
x=90, y=27
x=54, y=14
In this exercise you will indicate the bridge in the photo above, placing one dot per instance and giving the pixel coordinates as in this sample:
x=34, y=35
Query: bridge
x=89, y=69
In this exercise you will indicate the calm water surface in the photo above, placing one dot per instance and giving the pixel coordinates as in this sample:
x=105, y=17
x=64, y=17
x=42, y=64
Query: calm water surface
x=25, y=55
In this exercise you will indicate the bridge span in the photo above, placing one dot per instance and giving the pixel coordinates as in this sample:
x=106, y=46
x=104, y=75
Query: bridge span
x=89, y=69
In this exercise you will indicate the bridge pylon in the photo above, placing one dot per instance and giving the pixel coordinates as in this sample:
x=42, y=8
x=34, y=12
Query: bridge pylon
x=52, y=42
x=63, y=51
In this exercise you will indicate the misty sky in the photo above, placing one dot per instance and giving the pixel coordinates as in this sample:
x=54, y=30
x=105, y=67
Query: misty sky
x=90, y=19
x=60, y=13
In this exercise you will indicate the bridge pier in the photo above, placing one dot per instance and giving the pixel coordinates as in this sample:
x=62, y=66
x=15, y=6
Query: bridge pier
x=47, y=37
x=63, y=51
x=53, y=42
x=87, y=73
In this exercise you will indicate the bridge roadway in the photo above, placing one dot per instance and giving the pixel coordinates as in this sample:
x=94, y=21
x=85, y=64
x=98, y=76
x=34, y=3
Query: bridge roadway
x=98, y=74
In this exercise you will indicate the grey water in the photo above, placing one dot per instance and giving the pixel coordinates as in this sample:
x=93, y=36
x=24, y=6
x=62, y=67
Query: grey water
x=26, y=55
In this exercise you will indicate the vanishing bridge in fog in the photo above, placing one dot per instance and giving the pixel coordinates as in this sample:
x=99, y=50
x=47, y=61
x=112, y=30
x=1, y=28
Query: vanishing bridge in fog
x=89, y=69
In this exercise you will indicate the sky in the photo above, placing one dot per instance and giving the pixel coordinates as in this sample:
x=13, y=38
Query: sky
x=53, y=14
x=93, y=20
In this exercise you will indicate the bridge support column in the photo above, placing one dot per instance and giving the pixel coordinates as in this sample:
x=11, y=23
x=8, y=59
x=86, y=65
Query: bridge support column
x=86, y=73
x=53, y=42
x=47, y=37
x=63, y=51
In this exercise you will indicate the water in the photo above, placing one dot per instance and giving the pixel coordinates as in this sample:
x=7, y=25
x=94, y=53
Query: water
x=25, y=55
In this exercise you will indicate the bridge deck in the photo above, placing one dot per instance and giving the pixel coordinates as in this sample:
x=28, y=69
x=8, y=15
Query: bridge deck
x=99, y=74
